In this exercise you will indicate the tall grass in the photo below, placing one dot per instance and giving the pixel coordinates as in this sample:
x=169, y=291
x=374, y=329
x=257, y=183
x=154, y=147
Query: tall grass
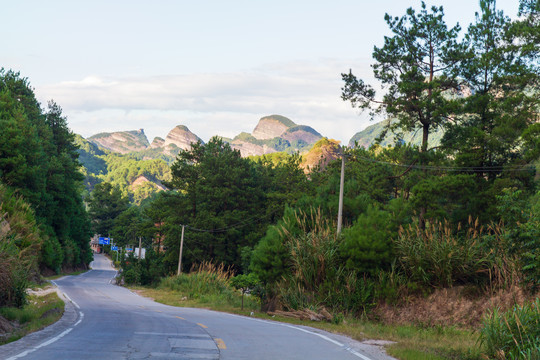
x=441, y=256
x=316, y=274
x=514, y=334
x=207, y=283
x=20, y=245
x=205, y=279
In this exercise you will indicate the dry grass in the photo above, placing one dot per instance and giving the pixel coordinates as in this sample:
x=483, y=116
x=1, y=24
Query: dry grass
x=458, y=306
x=220, y=272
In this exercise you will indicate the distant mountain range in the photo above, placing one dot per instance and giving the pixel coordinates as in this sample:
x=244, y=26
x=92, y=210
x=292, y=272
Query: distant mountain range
x=273, y=133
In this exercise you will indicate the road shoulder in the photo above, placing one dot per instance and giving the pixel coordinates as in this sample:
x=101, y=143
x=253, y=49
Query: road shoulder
x=33, y=340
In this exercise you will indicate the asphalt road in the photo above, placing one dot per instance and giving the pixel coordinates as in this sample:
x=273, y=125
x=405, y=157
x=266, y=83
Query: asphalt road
x=105, y=321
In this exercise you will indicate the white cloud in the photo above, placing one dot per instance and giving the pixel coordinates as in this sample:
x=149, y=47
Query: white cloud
x=213, y=103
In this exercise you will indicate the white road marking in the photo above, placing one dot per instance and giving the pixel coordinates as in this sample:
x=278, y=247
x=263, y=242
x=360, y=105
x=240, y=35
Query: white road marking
x=73, y=302
x=48, y=342
x=314, y=333
x=81, y=318
x=354, y=352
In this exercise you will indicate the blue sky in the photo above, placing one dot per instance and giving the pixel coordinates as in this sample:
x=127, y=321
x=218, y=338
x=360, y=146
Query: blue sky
x=214, y=66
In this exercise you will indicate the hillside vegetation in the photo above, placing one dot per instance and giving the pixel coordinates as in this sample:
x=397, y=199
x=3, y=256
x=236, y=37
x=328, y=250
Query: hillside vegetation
x=44, y=224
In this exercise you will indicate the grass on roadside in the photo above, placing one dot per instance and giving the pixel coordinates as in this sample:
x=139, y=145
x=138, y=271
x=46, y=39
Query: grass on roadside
x=207, y=287
x=57, y=276
x=39, y=312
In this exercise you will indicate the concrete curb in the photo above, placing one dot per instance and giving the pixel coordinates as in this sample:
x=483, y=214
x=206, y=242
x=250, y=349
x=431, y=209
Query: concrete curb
x=32, y=340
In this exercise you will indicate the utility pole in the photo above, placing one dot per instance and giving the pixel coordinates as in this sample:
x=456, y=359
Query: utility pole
x=180, y=254
x=140, y=248
x=341, y=183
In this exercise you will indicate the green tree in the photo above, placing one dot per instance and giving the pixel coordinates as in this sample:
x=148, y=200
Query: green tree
x=224, y=202
x=502, y=100
x=20, y=150
x=105, y=204
x=244, y=283
x=127, y=226
x=39, y=158
x=417, y=66
x=498, y=114
x=67, y=215
x=367, y=245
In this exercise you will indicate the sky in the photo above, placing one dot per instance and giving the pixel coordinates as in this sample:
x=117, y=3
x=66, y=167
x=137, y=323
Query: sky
x=214, y=66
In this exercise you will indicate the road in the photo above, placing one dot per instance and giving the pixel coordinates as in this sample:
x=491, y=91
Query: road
x=105, y=321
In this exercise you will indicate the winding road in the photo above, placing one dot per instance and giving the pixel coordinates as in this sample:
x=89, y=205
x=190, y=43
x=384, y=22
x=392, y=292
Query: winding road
x=105, y=321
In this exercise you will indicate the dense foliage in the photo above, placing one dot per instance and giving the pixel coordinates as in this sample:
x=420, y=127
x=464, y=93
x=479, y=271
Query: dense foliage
x=20, y=245
x=39, y=159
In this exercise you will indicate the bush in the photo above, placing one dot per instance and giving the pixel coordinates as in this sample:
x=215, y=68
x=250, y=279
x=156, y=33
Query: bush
x=514, y=334
x=147, y=271
x=367, y=244
x=207, y=279
x=521, y=232
x=208, y=283
x=132, y=276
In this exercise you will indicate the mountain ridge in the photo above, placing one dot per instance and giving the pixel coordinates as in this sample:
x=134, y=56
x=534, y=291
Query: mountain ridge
x=273, y=133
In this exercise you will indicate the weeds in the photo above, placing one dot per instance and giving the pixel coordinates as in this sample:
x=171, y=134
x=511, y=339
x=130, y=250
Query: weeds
x=207, y=283
x=514, y=334
x=40, y=312
x=441, y=257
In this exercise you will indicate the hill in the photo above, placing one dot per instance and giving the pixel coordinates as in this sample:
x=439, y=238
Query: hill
x=137, y=176
x=368, y=136
x=121, y=142
x=275, y=133
x=135, y=141
x=323, y=152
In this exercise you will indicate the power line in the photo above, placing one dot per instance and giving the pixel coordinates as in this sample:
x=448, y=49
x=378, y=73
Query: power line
x=455, y=168
x=234, y=226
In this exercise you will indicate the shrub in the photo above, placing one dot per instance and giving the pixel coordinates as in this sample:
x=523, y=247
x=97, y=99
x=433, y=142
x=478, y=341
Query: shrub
x=147, y=271
x=208, y=283
x=244, y=283
x=367, y=244
x=132, y=275
x=514, y=334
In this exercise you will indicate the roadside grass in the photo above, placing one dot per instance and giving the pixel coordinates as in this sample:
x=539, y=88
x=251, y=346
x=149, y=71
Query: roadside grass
x=206, y=288
x=411, y=342
x=39, y=312
x=57, y=276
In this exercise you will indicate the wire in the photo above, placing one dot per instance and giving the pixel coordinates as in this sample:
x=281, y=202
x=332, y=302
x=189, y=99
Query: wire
x=456, y=168
x=234, y=226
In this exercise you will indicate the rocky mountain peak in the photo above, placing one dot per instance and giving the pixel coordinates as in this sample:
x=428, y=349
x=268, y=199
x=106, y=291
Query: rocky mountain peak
x=157, y=142
x=271, y=126
x=122, y=142
x=179, y=138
